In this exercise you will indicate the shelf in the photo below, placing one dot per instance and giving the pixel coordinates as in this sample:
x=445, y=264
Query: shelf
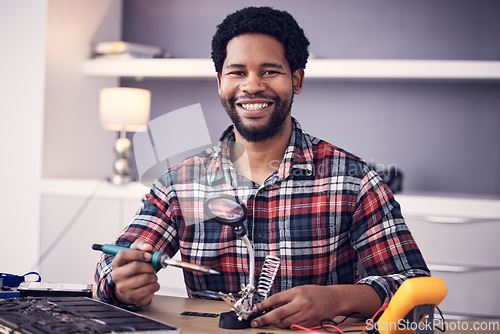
x=150, y=68
x=195, y=68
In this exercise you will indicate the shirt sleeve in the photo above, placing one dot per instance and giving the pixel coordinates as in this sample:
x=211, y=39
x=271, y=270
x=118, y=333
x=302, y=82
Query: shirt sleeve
x=382, y=240
x=151, y=223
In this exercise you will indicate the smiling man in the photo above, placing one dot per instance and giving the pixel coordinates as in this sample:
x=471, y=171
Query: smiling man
x=318, y=208
x=257, y=86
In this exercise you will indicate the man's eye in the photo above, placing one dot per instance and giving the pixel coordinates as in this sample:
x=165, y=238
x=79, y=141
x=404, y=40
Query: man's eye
x=270, y=72
x=237, y=73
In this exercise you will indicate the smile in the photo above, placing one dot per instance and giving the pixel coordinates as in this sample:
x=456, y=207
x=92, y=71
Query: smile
x=254, y=106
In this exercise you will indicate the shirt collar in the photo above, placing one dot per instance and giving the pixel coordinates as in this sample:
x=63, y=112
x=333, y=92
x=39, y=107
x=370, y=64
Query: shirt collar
x=220, y=167
x=298, y=155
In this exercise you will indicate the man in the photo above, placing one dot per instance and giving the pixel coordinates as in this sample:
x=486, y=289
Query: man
x=320, y=209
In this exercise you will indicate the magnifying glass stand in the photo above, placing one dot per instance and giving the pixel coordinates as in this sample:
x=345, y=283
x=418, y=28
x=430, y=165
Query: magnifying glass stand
x=227, y=211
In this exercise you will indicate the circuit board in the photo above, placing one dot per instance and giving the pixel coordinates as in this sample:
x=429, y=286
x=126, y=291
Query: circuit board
x=52, y=315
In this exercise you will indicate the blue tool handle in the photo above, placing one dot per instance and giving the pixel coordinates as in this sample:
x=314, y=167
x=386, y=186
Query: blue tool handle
x=156, y=260
x=114, y=249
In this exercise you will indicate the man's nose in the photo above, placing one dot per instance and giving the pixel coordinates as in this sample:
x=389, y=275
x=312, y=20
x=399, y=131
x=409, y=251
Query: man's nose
x=252, y=84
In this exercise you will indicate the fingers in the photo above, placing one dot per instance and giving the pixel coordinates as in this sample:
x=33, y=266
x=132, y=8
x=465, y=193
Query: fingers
x=283, y=317
x=135, y=280
x=126, y=256
x=274, y=301
x=129, y=269
x=135, y=283
x=303, y=305
x=138, y=297
x=278, y=307
x=133, y=275
x=142, y=245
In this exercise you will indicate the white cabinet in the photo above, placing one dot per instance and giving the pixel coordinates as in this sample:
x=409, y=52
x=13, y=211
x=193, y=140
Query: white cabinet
x=78, y=213
x=459, y=240
x=67, y=233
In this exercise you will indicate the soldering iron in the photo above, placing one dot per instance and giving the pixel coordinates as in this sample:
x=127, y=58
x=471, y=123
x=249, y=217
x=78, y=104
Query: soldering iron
x=158, y=259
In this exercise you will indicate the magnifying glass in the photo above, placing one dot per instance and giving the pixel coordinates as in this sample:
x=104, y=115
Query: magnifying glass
x=226, y=210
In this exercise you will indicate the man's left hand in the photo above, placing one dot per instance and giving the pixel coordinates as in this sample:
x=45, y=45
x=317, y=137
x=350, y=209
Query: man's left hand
x=308, y=305
x=303, y=305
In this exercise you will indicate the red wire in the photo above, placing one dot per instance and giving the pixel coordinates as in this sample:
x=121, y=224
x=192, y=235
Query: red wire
x=381, y=309
x=350, y=324
x=339, y=331
x=313, y=329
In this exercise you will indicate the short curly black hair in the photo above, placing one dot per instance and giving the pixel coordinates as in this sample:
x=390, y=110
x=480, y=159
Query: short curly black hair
x=262, y=20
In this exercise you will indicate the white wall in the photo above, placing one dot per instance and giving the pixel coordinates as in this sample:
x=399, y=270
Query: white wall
x=74, y=143
x=22, y=81
x=47, y=107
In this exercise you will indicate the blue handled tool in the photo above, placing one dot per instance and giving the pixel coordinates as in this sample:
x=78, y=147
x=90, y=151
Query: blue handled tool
x=158, y=260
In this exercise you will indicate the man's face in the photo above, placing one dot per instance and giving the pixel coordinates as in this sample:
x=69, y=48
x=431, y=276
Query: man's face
x=257, y=87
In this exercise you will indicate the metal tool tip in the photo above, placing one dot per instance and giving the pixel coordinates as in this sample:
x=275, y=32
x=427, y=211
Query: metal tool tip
x=213, y=272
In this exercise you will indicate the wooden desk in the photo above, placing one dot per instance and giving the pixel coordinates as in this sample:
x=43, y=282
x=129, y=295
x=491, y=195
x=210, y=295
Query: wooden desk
x=168, y=310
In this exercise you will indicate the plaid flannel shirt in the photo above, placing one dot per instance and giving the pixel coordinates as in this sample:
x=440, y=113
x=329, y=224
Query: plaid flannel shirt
x=321, y=212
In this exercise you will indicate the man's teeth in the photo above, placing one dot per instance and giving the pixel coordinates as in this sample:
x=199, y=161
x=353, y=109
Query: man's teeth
x=254, y=106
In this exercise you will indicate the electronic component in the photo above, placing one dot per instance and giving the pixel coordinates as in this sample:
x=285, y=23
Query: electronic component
x=13, y=281
x=9, y=294
x=416, y=298
x=200, y=314
x=37, y=315
x=42, y=289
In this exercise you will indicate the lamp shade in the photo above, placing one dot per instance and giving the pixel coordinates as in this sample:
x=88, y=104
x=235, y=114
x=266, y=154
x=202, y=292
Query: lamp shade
x=124, y=109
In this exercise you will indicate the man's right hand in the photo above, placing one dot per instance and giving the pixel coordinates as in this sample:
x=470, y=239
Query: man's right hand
x=134, y=276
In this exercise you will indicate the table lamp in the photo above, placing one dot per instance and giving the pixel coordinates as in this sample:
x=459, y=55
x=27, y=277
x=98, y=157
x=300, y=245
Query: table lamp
x=124, y=110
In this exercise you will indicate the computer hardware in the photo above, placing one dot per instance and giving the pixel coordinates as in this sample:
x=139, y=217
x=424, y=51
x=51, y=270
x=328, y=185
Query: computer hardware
x=52, y=315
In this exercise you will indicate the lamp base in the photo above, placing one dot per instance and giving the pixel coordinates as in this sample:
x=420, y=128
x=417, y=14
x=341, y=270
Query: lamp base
x=121, y=167
x=119, y=180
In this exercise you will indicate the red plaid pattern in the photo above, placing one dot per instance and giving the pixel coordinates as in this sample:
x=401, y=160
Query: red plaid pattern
x=323, y=212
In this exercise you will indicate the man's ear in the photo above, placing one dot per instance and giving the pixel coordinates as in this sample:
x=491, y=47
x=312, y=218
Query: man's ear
x=218, y=82
x=298, y=80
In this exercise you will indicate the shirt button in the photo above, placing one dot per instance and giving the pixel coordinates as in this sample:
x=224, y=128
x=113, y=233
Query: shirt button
x=260, y=235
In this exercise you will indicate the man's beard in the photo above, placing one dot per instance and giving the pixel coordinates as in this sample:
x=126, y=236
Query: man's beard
x=270, y=129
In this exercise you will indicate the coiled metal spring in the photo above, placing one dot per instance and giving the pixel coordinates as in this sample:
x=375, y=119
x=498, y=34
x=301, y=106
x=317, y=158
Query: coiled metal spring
x=267, y=276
